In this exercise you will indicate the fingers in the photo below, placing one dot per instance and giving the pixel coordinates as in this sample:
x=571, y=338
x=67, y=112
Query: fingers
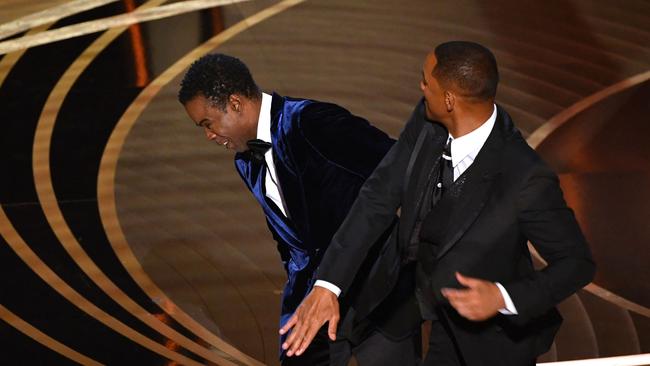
x=456, y=295
x=463, y=300
x=304, y=336
x=331, y=327
x=476, y=302
x=294, y=339
x=303, y=332
x=467, y=281
x=461, y=306
x=301, y=344
x=290, y=323
x=317, y=308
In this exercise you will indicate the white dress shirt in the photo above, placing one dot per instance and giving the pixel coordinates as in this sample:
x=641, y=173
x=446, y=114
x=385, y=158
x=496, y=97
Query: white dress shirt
x=464, y=150
x=271, y=183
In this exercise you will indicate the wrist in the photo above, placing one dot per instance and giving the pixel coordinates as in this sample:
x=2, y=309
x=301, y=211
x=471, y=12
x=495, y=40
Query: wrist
x=323, y=291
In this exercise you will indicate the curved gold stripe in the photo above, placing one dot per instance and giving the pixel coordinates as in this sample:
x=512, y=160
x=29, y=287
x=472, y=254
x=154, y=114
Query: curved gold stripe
x=536, y=138
x=103, y=24
x=10, y=59
x=601, y=292
x=540, y=134
x=6, y=64
x=47, y=197
x=49, y=15
x=42, y=338
x=106, y=181
x=618, y=300
x=50, y=205
x=18, y=245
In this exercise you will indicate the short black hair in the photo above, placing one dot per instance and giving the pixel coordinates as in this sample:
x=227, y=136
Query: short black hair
x=469, y=66
x=216, y=77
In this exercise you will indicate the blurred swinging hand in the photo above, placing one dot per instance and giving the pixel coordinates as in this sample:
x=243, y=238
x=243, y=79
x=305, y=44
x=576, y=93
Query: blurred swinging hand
x=479, y=301
x=319, y=307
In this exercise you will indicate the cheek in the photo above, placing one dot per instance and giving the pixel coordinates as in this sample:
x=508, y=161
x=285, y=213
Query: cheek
x=231, y=130
x=431, y=101
x=226, y=127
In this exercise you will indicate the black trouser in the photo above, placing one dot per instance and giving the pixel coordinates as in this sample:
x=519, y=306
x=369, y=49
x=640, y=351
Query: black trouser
x=378, y=350
x=374, y=350
x=443, y=350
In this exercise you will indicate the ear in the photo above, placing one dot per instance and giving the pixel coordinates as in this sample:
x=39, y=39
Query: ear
x=450, y=100
x=235, y=102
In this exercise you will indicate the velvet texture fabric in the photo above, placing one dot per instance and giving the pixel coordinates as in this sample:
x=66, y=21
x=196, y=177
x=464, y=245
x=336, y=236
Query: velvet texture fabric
x=323, y=155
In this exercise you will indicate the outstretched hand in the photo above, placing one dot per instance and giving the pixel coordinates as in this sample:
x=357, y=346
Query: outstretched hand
x=319, y=307
x=479, y=301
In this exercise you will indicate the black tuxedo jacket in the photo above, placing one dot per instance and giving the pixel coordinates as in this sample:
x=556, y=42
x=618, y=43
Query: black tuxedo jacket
x=509, y=197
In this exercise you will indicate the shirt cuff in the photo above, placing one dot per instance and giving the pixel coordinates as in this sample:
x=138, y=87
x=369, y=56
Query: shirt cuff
x=330, y=286
x=510, y=308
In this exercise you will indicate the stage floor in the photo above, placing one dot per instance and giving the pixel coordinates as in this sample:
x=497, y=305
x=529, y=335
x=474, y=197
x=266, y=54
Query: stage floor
x=127, y=238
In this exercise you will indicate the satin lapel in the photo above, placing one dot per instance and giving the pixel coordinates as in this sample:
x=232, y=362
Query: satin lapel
x=290, y=185
x=249, y=171
x=479, y=181
x=427, y=156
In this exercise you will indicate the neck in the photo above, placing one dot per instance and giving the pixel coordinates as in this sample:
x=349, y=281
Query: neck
x=468, y=118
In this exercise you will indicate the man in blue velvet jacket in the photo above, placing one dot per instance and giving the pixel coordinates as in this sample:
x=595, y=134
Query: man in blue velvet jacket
x=303, y=160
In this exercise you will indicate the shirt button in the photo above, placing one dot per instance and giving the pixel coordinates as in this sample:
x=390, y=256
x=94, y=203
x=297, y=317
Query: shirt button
x=439, y=185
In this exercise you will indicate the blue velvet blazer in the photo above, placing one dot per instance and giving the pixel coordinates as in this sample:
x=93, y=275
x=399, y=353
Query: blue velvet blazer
x=323, y=155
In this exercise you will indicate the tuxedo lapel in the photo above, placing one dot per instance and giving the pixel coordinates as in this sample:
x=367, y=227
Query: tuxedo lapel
x=427, y=157
x=474, y=193
x=250, y=170
x=287, y=176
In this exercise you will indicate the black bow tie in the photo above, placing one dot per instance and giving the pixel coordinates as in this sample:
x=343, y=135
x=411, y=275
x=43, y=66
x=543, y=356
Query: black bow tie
x=258, y=148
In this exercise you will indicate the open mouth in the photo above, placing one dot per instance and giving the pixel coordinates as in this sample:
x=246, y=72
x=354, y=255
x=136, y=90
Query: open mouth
x=225, y=144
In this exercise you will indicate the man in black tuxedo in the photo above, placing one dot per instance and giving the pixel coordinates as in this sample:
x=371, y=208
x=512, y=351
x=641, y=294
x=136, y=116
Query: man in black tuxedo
x=471, y=194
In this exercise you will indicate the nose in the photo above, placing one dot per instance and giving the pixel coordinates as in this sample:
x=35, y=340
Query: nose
x=209, y=134
x=422, y=86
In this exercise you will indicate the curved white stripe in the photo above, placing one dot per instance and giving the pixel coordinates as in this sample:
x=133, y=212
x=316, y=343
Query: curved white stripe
x=49, y=15
x=633, y=360
x=93, y=26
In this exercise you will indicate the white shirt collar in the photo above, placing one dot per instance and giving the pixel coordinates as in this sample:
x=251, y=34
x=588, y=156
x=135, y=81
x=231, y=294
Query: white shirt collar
x=470, y=144
x=264, y=121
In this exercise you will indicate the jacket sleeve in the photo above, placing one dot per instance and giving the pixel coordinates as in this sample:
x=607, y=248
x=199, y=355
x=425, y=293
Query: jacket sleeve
x=551, y=227
x=373, y=210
